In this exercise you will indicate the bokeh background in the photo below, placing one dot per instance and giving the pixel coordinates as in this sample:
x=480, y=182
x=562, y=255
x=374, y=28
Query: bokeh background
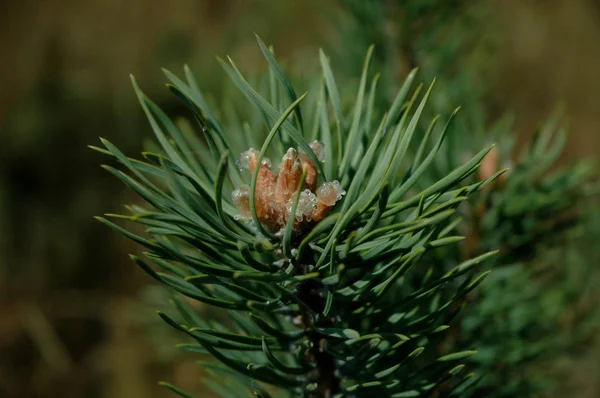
x=76, y=316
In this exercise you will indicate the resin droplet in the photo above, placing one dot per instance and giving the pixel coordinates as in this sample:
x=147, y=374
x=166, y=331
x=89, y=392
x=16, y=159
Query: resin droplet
x=241, y=200
x=248, y=159
x=330, y=192
x=317, y=148
x=306, y=204
x=266, y=162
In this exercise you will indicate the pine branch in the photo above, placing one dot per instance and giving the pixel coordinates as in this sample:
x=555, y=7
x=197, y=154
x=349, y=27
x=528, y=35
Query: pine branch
x=312, y=259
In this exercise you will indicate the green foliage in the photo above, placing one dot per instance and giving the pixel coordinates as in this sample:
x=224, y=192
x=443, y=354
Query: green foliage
x=535, y=217
x=446, y=39
x=356, y=305
x=517, y=318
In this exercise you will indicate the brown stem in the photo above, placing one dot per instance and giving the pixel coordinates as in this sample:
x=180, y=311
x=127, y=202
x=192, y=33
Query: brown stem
x=312, y=293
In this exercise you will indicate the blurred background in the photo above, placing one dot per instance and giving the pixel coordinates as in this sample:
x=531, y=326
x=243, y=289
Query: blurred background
x=76, y=313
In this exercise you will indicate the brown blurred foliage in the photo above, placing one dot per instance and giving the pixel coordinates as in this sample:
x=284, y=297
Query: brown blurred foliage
x=67, y=289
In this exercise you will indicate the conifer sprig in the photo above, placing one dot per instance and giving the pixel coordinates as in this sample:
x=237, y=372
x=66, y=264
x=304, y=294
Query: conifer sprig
x=318, y=307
